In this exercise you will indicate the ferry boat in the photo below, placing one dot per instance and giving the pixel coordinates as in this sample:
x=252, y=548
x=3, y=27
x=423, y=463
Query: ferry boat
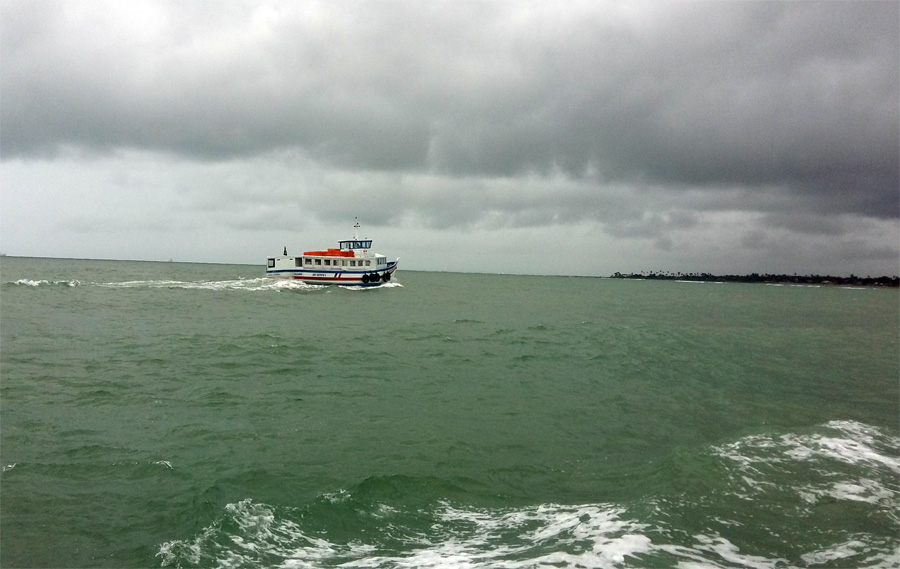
x=352, y=263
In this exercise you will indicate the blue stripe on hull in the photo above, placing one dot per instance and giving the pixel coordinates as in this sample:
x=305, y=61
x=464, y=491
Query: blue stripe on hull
x=353, y=278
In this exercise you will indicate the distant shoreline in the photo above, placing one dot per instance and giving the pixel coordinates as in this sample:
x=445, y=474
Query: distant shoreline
x=852, y=280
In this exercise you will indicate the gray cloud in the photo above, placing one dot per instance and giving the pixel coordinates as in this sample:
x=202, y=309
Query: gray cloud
x=803, y=94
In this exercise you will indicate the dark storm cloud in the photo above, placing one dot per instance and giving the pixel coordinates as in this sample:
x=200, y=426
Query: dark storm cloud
x=794, y=101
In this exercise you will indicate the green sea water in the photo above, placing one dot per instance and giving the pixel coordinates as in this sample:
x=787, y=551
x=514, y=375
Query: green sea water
x=189, y=415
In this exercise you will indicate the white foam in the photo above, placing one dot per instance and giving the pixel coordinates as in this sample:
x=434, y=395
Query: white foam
x=709, y=549
x=732, y=554
x=256, y=284
x=36, y=283
x=862, y=490
x=720, y=549
x=392, y=284
x=29, y=282
x=604, y=538
x=840, y=551
x=576, y=536
x=261, y=535
x=856, y=446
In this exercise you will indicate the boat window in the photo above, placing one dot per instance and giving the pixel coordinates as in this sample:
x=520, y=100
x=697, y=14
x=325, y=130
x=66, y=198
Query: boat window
x=368, y=263
x=298, y=261
x=271, y=262
x=327, y=262
x=308, y=260
x=318, y=261
x=352, y=263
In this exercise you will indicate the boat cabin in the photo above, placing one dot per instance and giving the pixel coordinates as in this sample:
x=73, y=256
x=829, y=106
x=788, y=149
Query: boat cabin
x=352, y=244
x=330, y=259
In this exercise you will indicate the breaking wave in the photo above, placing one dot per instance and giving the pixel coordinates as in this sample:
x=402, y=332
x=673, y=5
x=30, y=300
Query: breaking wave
x=771, y=490
x=250, y=534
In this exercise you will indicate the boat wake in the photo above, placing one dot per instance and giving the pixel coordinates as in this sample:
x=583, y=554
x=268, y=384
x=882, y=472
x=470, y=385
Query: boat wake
x=257, y=284
x=42, y=282
x=252, y=285
x=392, y=284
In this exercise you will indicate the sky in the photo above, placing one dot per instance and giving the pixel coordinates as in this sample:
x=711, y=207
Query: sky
x=530, y=137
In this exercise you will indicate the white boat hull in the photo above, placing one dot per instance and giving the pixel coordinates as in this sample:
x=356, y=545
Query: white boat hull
x=371, y=277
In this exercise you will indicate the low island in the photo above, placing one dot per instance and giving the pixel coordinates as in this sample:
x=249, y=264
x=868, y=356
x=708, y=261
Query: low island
x=852, y=280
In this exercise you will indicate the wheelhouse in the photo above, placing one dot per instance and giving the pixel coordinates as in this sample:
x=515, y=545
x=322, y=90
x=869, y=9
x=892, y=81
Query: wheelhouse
x=352, y=244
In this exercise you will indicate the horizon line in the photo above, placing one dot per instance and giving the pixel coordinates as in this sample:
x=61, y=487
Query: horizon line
x=632, y=275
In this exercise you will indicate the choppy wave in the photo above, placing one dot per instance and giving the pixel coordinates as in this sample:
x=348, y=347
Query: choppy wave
x=573, y=536
x=820, y=456
x=774, y=481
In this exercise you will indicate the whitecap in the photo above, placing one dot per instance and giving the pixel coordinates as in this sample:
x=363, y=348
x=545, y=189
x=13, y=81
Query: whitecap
x=727, y=551
x=850, y=548
x=550, y=534
x=595, y=535
x=29, y=282
x=858, y=444
x=861, y=490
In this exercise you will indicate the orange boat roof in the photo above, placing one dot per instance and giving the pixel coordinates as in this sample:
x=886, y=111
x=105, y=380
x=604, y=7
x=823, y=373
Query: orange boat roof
x=329, y=253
